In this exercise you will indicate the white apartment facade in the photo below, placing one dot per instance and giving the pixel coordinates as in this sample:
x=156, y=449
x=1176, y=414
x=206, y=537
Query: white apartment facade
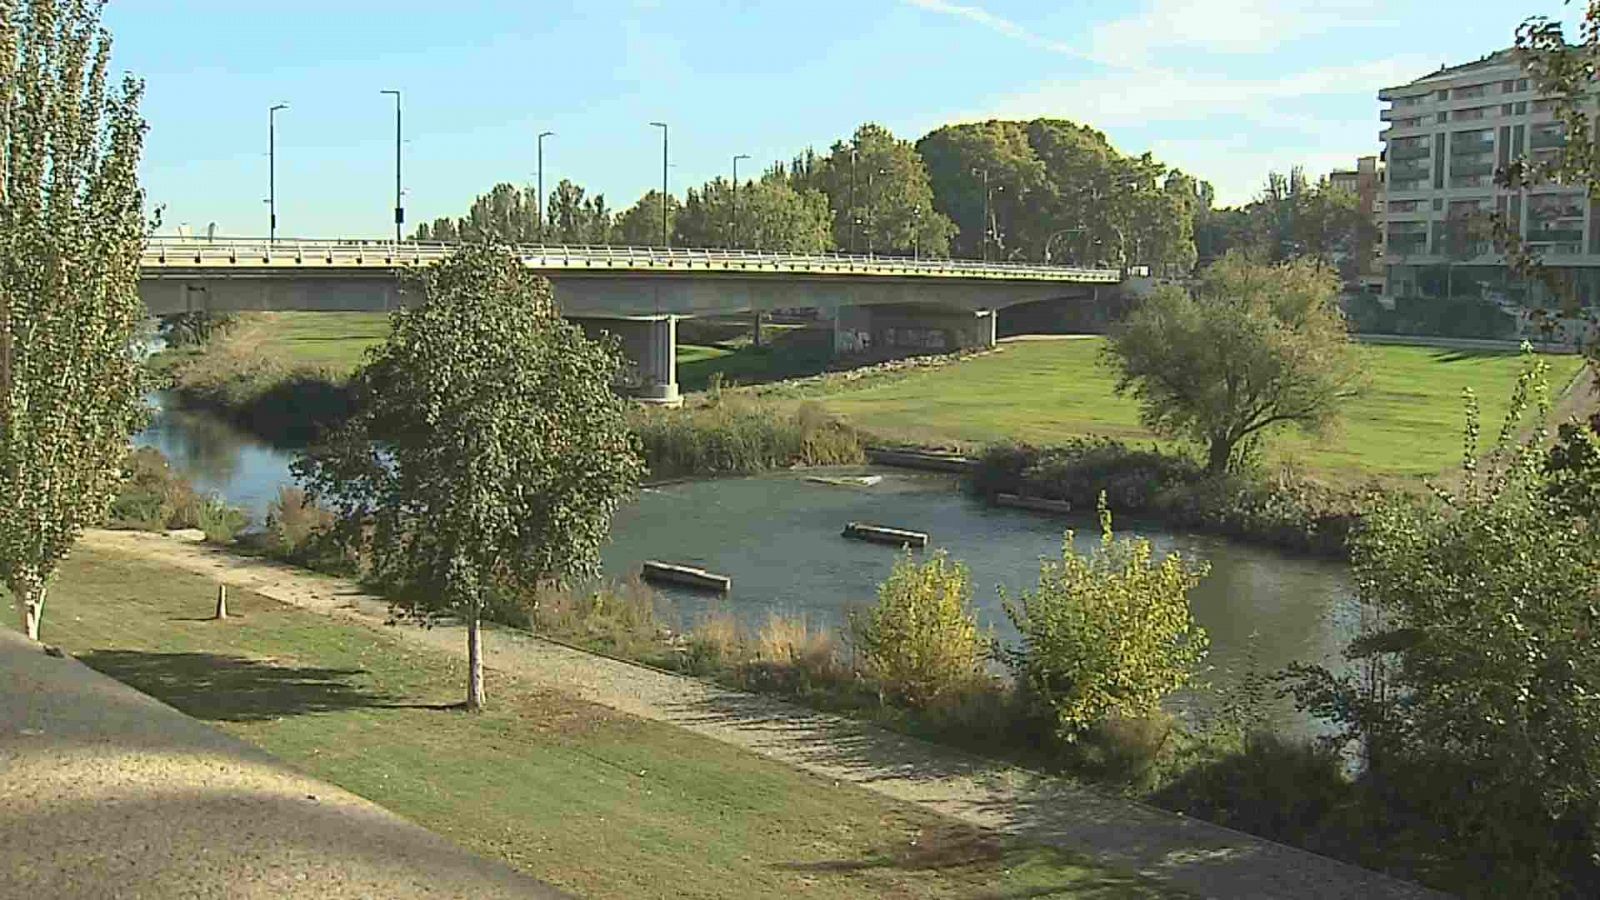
x=1446, y=135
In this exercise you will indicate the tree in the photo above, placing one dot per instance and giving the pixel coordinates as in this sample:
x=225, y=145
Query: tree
x=1058, y=191
x=71, y=230
x=574, y=219
x=878, y=189
x=490, y=451
x=1254, y=348
x=773, y=215
x=640, y=224
x=1108, y=633
x=1477, y=663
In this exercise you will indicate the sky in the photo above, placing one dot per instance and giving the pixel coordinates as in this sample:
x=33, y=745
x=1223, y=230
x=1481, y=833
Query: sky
x=1224, y=89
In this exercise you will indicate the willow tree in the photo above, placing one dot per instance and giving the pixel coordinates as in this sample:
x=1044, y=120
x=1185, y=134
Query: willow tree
x=71, y=229
x=490, y=450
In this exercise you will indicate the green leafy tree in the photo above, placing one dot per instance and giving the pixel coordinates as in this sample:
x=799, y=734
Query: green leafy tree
x=1059, y=192
x=878, y=189
x=1108, y=633
x=1254, y=348
x=576, y=219
x=443, y=229
x=1477, y=665
x=490, y=451
x=772, y=215
x=640, y=224
x=921, y=641
x=71, y=230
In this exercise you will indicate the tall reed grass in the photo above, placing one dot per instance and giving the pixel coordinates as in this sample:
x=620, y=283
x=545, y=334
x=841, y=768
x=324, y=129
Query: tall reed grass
x=730, y=434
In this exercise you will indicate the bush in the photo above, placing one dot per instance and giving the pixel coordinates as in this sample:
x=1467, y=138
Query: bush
x=220, y=522
x=153, y=496
x=734, y=435
x=921, y=642
x=1284, y=510
x=1107, y=634
x=616, y=617
x=259, y=393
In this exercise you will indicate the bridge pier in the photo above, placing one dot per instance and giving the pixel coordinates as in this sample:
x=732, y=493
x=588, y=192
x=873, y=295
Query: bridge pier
x=910, y=329
x=650, y=344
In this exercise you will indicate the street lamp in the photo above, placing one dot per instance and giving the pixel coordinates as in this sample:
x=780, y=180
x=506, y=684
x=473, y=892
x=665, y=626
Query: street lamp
x=872, y=205
x=399, y=209
x=735, y=216
x=916, y=232
x=855, y=231
x=985, y=174
x=540, y=143
x=665, y=240
x=272, y=172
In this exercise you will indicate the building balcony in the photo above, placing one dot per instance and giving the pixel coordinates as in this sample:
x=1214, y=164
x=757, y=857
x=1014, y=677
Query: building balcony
x=1545, y=140
x=1402, y=172
x=1555, y=236
x=1471, y=148
x=1400, y=154
x=1467, y=170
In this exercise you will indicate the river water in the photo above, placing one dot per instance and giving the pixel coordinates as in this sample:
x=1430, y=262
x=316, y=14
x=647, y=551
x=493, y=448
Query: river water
x=778, y=537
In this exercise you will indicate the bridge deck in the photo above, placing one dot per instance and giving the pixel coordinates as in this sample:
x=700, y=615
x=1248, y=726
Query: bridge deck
x=165, y=257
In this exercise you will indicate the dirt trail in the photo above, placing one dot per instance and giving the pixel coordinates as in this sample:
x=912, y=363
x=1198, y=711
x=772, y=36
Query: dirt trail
x=1188, y=853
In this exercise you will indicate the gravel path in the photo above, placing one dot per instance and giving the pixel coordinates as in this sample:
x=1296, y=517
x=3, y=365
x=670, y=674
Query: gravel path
x=109, y=793
x=1188, y=853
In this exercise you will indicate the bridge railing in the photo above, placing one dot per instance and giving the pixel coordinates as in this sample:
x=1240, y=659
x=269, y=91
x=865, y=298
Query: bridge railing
x=179, y=251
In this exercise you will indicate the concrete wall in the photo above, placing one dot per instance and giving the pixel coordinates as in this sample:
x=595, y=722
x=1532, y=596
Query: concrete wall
x=910, y=330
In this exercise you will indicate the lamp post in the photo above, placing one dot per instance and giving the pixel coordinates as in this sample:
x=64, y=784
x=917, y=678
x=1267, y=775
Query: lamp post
x=399, y=209
x=872, y=205
x=540, y=142
x=985, y=174
x=916, y=233
x=272, y=172
x=665, y=240
x=735, y=217
x=855, y=220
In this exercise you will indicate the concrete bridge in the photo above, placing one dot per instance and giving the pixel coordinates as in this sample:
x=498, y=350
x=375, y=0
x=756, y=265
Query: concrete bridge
x=635, y=293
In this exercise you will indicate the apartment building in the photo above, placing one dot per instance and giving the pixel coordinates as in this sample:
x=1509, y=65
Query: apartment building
x=1446, y=134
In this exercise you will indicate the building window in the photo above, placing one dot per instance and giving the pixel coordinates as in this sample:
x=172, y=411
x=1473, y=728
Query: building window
x=1505, y=109
x=1522, y=107
x=1403, y=205
x=1438, y=204
x=1442, y=118
x=1522, y=84
x=1508, y=86
x=1444, y=93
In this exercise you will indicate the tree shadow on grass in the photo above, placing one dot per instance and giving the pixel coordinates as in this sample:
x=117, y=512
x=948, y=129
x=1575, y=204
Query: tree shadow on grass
x=236, y=688
x=1465, y=355
x=952, y=848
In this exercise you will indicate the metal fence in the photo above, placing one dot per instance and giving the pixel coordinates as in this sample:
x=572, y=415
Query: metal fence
x=170, y=252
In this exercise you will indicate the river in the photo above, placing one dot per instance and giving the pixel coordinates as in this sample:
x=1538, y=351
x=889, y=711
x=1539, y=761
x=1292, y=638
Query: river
x=777, y=536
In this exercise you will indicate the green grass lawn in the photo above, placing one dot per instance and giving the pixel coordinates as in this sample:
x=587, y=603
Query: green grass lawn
x=335, y=340
x=597, y=802
x=1406, y=422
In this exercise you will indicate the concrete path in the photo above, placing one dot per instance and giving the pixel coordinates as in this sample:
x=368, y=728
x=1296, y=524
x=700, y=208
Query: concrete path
x=105, y=792
x=1188, y=853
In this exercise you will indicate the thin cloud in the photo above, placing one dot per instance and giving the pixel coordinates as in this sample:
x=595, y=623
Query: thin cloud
x=997, y=24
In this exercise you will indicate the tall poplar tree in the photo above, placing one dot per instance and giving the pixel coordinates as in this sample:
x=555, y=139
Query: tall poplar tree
x=71, y=230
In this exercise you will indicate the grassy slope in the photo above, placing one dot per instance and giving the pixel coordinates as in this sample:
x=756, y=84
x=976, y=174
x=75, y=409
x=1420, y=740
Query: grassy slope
x=1406, y=422
x=336, y=340
x=588, y=799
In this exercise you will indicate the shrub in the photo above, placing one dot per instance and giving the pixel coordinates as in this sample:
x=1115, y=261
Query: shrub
x=617, y=616
x=713, y=643
x=1106, y=634
x=220, y=522
x=732, y=434
x=921, y=642
x=153, y=497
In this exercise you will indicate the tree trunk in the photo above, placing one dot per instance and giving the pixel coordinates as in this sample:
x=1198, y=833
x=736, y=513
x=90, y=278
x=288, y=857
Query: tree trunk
x=30, y=607
x=474, y=661
x=1217, y=460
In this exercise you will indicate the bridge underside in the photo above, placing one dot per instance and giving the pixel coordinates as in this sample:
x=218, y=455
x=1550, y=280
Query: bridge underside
x=877, y=315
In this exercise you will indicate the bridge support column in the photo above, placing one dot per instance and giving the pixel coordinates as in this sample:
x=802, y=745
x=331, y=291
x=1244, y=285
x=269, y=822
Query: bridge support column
x=650, y=344
x=908, y=330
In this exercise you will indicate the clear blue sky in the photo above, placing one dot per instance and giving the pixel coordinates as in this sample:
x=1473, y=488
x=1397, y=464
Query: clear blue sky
x=1226, y=89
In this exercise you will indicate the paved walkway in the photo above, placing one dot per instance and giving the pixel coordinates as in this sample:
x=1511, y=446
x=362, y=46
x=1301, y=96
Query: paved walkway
x=105, y=792
x=1188, y=853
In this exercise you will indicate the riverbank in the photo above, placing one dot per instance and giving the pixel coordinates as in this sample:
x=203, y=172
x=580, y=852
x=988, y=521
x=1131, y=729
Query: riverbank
x=587, y=797
x=1017, y=804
